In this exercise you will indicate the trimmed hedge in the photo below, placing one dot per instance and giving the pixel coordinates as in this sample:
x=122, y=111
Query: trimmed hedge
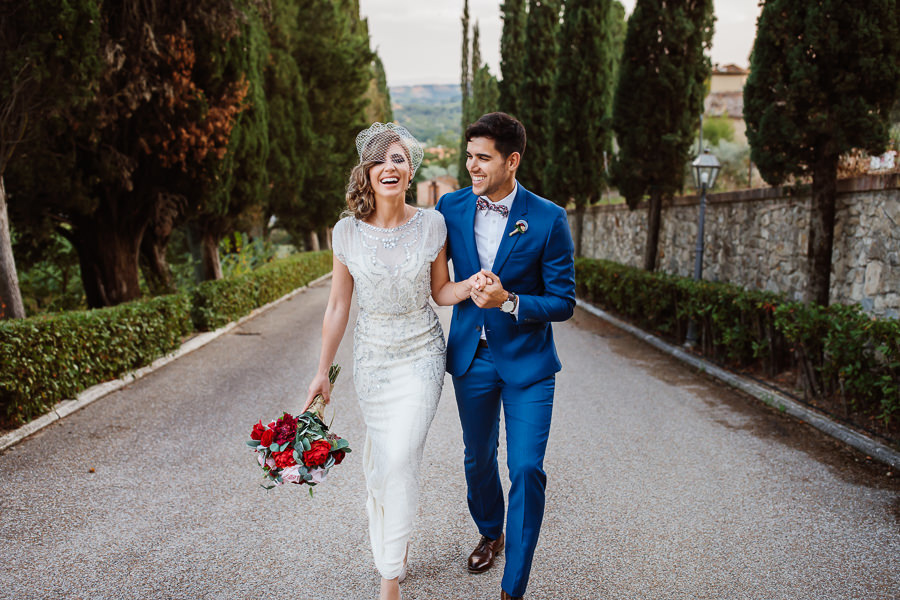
x=217, y=303
x=50, y=358
x=845, y=358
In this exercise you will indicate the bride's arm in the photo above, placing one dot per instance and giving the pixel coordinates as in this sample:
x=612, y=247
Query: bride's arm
x=444, y=291
x=337, y=313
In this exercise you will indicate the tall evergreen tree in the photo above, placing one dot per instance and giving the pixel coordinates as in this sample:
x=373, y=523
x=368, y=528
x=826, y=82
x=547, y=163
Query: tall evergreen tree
x=581, y=133
x=290, y=122
x=465, y=88
x=241, y=179
x=658, y=102
x=111, y=172
x=823, y=78
x=484, y=91
x=512, y=55
x=536, y=91
x=378, y=95
x=335, y=63
x=619, y=24
x=48, y=59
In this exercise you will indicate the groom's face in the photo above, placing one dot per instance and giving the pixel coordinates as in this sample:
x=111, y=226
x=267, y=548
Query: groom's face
x=492, y=175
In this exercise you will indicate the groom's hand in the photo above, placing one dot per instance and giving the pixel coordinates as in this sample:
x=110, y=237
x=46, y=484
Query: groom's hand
x=492, y=295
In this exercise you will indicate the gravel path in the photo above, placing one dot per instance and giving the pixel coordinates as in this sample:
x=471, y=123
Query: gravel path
x=662, y=485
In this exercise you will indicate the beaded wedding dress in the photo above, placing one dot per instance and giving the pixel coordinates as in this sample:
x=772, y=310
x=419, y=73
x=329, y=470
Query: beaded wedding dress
x=399, y=359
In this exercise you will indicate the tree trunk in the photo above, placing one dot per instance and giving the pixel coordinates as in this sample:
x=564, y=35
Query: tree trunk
x=654, y=213
x=108, y=255
x=155, y=241
x=313, y=241
x=580, y=208
x=204, y=241
x=821, y=229
x=11, y=306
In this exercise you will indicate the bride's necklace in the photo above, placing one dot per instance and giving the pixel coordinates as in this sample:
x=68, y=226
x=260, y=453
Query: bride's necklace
x=402, y=221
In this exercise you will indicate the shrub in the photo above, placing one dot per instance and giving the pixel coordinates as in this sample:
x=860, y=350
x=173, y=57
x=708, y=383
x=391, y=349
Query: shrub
x=844, y=356
x=49, y=358
x=216, y=303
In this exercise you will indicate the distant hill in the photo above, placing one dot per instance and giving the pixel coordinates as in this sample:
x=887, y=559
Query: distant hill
x=432, y=113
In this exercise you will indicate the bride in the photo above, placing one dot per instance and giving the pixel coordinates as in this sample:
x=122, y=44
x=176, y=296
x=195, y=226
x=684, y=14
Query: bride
x=395, y=257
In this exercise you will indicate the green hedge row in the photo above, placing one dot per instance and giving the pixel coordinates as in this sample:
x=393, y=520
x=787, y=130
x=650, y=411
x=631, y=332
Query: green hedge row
x=842, y=355
x=50, y=358
x=216, y=303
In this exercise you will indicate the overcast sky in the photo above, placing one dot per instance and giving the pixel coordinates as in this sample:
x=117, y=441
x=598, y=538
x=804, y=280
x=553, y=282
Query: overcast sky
x=420, y=41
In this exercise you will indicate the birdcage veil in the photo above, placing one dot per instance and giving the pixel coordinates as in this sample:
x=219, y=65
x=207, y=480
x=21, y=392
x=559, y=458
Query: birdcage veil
x=373, y=142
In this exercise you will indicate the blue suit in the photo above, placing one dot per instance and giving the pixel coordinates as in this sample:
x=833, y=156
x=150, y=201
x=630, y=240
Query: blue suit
x=517, y=370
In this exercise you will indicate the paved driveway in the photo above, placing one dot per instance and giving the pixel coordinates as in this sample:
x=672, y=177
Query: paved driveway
x=662, y=485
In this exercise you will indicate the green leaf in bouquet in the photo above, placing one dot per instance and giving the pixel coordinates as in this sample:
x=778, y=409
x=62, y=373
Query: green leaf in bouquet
x=252, y=443
x=302, y=471
x=274, y=447
x=342, y=444
x=329, y=463
x=298, y=456
x=307, y=446
x=284, y=446
x=279, y=479
x=310, y=492
x=266, y=487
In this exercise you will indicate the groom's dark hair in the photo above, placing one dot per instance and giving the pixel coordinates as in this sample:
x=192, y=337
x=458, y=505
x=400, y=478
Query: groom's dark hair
x=506, y=131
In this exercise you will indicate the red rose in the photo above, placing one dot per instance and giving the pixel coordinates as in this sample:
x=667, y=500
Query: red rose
x=285, y=459
x=317, y=454
x=265, y=439
x=285, y=429
x=338, y=456
x=257, y=432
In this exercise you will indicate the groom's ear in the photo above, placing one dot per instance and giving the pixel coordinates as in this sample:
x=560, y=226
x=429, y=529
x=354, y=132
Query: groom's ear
x=513, y=161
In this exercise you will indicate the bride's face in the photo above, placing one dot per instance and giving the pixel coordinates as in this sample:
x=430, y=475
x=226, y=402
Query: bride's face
x=391, y=176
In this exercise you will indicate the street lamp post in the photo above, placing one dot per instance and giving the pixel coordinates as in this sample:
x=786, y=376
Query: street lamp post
x=705, y=169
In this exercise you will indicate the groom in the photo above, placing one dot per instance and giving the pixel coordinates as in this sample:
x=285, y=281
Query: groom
x=500, y=349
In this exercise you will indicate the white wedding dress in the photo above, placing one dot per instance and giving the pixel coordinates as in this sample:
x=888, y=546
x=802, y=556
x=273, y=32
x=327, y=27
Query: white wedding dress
x=398, y=366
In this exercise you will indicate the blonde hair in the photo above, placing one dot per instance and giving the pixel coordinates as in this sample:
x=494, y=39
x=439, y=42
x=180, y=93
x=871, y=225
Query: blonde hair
x=360, y=195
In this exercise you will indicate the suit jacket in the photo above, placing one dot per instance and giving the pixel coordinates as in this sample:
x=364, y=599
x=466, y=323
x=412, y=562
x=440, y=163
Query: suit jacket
x=537, y=265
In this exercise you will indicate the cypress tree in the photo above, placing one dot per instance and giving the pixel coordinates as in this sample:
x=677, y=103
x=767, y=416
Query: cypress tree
x=335, y=63
x=658, y=102
x=823, y=78
x=583, y=92
x=465, y=91
x=380, y=96
x=512, y=55
x=48, y=59
x=536, y=92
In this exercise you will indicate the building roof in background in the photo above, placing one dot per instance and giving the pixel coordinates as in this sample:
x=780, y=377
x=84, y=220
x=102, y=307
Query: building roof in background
x=729, y=69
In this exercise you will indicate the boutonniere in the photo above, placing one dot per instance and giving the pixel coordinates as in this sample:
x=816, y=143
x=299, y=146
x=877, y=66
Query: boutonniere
x=521, y=227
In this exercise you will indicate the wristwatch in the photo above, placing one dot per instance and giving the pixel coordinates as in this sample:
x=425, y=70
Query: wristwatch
x=510, y=304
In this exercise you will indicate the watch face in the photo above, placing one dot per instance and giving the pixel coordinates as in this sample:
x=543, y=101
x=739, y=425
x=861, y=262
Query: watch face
x=508, y=306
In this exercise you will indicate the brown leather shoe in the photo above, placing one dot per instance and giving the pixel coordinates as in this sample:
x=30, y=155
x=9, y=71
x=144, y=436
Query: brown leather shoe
x=482, y=558
x=505, y=596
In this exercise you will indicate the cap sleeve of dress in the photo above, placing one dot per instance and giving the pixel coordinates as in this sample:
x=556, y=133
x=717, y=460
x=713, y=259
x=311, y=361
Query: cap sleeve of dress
x=339, y=239
x=436, y=234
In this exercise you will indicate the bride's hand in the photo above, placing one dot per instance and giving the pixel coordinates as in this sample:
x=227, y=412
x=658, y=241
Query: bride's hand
x=319, y=385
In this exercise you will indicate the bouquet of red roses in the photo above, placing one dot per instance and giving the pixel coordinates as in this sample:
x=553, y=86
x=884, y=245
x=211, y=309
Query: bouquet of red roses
x=298, y=449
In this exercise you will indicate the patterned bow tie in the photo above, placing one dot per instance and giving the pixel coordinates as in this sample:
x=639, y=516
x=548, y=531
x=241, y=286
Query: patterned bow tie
x=500, y=209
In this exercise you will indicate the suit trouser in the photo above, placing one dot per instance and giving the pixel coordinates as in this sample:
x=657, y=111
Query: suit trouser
x=527, y=411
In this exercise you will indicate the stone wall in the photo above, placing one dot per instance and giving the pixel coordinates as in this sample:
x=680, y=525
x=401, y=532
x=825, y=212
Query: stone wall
x=758, y=239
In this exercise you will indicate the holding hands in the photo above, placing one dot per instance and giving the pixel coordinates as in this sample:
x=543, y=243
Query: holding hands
x=491, y=293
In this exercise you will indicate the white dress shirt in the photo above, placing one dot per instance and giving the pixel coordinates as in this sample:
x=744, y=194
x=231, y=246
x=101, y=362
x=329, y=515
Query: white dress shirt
x=490, y=228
